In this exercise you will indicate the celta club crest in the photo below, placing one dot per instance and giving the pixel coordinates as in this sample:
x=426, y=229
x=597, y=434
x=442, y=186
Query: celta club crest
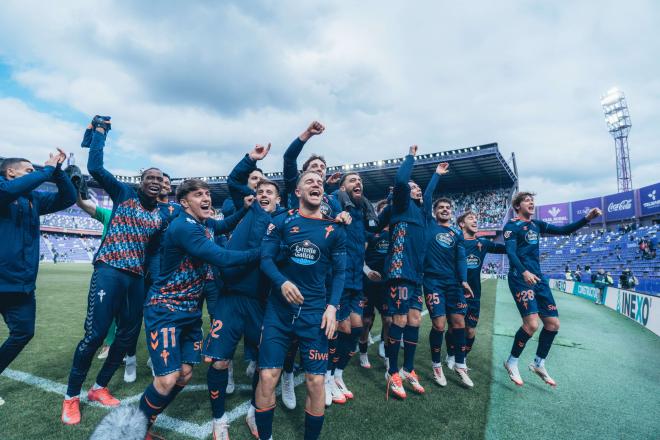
x=328, y=230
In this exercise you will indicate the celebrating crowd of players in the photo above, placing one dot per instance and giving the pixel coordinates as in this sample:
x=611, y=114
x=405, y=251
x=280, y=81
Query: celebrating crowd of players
x=298, y=269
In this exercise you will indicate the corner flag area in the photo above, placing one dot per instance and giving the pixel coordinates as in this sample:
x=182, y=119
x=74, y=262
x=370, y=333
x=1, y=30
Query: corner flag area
x=606, y=367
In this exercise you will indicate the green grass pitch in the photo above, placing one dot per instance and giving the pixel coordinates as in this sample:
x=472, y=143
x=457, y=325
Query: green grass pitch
x=606, y=367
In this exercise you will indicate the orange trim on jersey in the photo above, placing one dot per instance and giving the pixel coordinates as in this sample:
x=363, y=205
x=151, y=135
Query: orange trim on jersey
x=150, y=404
x=312, y=218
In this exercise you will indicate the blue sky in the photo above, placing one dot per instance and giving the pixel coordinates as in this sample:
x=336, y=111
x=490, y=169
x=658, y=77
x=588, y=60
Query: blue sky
x=192, y=86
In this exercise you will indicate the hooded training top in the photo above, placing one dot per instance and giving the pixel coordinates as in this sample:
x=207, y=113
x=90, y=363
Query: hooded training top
x=521, y=239
x=405, y=259
x=20, y=208
x=132, y=225
x=187, y=250
x=248, y=279
x=312, y=248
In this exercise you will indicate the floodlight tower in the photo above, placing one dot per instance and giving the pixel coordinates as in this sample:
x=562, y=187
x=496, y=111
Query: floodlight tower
x=617, y=117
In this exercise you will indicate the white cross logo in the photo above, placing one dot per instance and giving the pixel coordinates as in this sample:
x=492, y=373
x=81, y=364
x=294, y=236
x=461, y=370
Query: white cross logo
x=101, y=294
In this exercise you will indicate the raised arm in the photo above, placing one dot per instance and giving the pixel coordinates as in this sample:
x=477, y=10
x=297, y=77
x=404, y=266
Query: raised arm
x=238, y=178
x=108, y=182
x=63, y=198
x=568, y=229
x=290, y=169
x=86, y=205
x=10, y=190
x=401, y=192
x=441, y=169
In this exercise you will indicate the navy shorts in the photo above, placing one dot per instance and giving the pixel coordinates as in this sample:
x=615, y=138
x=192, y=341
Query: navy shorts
x=281, y=327
x=402, y=296
x=533, y=299
x=444, y=299
x=235, y=316
x=173, y=338
x=352, y=301
x=374, y=294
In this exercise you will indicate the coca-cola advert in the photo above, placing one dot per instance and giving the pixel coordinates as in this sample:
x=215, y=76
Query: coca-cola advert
x=556, y=214
x=619, y=206
x=649, y=199
x=580, y=208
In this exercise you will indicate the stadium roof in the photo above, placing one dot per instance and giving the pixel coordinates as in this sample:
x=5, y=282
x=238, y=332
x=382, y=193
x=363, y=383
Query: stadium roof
x=471, y=168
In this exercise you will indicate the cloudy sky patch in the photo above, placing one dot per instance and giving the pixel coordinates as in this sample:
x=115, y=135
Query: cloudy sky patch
x=192, y=86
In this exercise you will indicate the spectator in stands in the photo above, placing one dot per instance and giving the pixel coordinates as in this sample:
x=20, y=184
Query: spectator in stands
x=610, y=280
x=569, y=276
x=628, y=280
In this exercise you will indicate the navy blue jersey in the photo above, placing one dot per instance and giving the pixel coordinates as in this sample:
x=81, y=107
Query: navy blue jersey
x=329, y=207
x=445, y=254
x=312, y=248
x=522, y=242
x=376, y=253
x=475, y=253
x=405, y=259
x=187, y=251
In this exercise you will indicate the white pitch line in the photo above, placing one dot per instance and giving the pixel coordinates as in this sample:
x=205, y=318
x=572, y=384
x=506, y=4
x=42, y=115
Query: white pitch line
x=181, y=426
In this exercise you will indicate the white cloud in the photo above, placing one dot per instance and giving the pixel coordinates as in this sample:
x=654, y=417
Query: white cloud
x=192, y=87
x=29, y=133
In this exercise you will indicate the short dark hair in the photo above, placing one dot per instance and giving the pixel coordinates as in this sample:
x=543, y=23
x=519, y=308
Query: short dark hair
x=462, y=217
x=149, y=169
x=10, y=162
x=263, y=182
x=519, y=197
x=343, y=177
x=257, y=169
x=312, y=158
x=166, y=175
x=189, y=186
x=303, y=174
x=442, y=200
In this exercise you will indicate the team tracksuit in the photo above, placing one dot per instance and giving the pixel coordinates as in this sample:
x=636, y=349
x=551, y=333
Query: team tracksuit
x=117, y=284
x=405, y=264
x=20, y=208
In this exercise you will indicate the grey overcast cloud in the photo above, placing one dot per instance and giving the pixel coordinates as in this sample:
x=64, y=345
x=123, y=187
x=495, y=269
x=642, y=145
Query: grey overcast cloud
x=192, y=86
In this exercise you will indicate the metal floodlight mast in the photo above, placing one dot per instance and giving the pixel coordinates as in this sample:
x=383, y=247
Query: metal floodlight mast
x=617, y=117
